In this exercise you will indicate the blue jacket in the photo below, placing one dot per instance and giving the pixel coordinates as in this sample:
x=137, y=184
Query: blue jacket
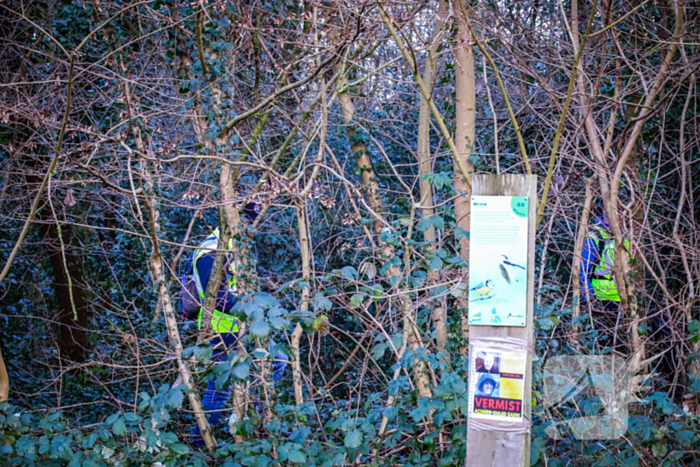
x=589, y=259
x=225, y=299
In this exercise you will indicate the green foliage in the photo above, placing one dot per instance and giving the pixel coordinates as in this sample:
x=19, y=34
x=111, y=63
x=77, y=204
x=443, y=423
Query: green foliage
x=121, y=439
x=355, y=304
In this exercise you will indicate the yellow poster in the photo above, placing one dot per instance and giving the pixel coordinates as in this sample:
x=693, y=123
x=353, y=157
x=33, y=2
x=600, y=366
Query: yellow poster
x=496, y=384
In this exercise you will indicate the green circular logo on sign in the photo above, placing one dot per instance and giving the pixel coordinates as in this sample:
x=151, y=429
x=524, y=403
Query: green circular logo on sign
x=519, y=204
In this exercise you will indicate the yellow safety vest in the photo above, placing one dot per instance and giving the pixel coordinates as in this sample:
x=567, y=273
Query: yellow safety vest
x=602, y=278
x=220, y=322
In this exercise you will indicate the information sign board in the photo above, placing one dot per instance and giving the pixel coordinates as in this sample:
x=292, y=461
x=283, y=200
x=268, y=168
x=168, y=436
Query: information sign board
x=498, y=249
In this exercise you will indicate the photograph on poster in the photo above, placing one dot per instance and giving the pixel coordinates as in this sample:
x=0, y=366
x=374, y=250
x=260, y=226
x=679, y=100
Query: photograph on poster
x=487, y=362
x=498, y=256
x=488, y=385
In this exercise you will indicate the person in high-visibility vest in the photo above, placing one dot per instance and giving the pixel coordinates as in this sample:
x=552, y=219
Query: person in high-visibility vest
x=597, y=259
x=598, y=280
x=224, y=325
x=202, y=263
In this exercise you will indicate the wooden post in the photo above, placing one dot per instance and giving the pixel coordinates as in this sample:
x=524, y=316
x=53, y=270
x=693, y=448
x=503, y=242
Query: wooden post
x=495, y=448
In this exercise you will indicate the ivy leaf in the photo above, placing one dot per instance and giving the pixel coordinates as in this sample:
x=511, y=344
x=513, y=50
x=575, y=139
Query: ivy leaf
x=180, y=448
x=547, y=323
x=349, y=272
x=222, y=378
x=321, y=303
x=241, y=371
x=659, y=450
x=279, y=323
x=353, y=440
x=436, y=263
x=252, y=308
x=387, y=236
x=151, y=439
x=536, y=448
x=438, y=180
x=203, y=352
x=90, y=441
x=118, y=427
x=356, y=300
x=300, y=435
x=168, y=438
x=378, y=351
x=437, y=222
x=397, y=340
x=259, y=329
x=421, y=411
x=286, y=285
x=460, y=232
x=432, y=221
x=424, y=225
x=174, y=399
x=694, y=331
x=112, y=418
x=265, y=300
x=276, y=311
x=296, y=456
x=260, y=353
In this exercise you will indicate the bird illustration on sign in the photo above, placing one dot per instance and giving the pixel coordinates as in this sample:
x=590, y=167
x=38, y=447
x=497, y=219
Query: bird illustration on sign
x=483, y=290
x=504, y=265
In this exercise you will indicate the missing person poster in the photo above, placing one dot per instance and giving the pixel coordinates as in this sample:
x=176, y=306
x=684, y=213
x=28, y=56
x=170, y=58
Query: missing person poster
x=498, y=261
x=496, y=384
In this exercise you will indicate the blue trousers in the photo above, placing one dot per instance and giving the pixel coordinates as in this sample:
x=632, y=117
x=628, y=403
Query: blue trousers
x=214, y=401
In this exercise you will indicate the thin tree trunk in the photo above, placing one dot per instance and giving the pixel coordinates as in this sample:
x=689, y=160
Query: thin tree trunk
x=636, y=283
x=465, y=109
x=386, y=251
x=306, y=274
x=425, y=168
x=174, y=335
x=218, y=271
x=621, y=264
x=157, y=266
x=357, y=146
x=576, y=266
x=232, y=215
x=304, y=243
x=390, y=400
